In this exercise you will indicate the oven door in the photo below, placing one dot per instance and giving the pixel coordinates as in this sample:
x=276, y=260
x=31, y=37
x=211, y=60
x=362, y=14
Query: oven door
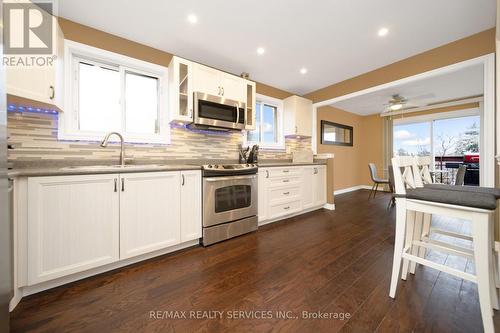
x=227, y=199
x=218, y=111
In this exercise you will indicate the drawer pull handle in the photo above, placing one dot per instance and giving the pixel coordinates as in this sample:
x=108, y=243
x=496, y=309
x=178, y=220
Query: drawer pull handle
x=286, y=193
x=286, y=171
x=286, y=180
x=286, y=208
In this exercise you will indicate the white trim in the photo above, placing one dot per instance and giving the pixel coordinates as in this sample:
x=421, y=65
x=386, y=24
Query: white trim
x=314, y=138
x=432, y=107
x=278, y=103
x=420, y=76
x=67, y=126
x=437, y=116
x=352, y=189
x=329, y=206
x=29, y=290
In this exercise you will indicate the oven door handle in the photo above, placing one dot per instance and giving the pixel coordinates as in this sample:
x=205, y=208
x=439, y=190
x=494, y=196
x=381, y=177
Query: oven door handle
x=220, y=179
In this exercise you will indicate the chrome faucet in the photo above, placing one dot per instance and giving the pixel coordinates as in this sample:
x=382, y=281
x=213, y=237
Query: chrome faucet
x=104, y=144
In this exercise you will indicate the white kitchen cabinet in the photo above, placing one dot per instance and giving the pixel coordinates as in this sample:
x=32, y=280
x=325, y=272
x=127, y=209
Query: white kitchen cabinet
x=290, y=190
x=319, y=185
x=149, y=212
x=40, y=83
x=251, y=105
x=214, y=82
x=180, y=90
x=307, y=188
x=190, y=205
x=297, y=116
x=73, y=225
x=263, y=190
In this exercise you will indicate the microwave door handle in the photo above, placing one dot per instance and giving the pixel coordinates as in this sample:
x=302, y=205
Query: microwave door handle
x=237, y=113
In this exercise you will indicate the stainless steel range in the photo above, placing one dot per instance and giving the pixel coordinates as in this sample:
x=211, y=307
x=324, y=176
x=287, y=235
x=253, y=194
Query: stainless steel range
x=229, y=201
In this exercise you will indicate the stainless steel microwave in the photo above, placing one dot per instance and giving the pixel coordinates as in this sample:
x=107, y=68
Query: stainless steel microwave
x=217, y=111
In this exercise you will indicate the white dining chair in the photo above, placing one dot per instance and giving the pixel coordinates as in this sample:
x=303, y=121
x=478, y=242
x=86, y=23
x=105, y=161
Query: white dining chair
x=412, y=197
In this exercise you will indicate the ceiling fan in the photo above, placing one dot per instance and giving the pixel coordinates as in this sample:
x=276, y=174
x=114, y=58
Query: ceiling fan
x=396, y=103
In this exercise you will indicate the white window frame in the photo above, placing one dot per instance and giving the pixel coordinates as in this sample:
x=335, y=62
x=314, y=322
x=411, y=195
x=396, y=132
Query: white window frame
x=68, y=120
x=430, y=118
x=278, y=104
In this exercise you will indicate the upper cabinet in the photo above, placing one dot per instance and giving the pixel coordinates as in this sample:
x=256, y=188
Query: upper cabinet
x=41, y=82
x=250, y=105
x=214, y=82
x=297, y=116
x=180, y=90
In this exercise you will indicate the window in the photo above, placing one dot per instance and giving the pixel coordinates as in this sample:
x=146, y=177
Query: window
x=110, y=92
x=268, y=131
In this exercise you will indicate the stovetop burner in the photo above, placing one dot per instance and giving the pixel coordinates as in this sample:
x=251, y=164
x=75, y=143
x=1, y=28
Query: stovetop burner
x=229, y=169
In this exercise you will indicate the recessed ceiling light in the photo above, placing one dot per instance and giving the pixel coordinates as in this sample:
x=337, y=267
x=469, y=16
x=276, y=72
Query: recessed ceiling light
x=383, y=31
x=303, y=70
x=260, y=50
x=192, y=18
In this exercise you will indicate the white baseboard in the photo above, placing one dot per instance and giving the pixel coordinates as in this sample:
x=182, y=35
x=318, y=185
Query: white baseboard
x=351, y=189
x=329, y=206
x=355, y=188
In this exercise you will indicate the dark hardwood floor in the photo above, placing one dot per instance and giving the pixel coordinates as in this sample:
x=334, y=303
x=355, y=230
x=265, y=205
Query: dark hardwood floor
x=330, y=261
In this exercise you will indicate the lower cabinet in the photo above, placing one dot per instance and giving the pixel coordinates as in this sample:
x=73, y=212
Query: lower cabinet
x=75, y=223
x=285, y=191
x=150, y=207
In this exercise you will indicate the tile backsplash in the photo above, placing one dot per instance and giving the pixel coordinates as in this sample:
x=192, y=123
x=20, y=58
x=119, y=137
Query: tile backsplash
x=34, y=137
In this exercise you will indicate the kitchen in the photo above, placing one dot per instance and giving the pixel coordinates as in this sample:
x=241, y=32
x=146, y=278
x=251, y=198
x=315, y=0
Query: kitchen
x=128, y=161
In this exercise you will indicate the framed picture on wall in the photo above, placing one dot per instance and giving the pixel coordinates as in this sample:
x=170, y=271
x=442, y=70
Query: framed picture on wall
x=336, y=134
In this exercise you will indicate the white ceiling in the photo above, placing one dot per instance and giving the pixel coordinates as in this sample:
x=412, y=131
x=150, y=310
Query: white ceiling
x=334, y=40
x=463, y=83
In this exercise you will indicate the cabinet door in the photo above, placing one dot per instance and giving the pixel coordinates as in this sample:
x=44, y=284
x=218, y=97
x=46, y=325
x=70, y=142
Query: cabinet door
x=251, y=104
x=319, y=183
x=307, y=188
x=180, y=90
x=73, y=224
x=263, y=191
x=233, y=87
x=40, y=83
x=190, y=205
x=149, y=212
x=206, y=80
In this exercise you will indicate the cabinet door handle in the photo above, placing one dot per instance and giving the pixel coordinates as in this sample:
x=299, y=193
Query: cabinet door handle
x=267, y=173
x=219, y=90
x=222, y=91
x=52, y=92
x=296, y=130
x=116, y=185
x=315, y=171
x=182, y=176
x=123, y=184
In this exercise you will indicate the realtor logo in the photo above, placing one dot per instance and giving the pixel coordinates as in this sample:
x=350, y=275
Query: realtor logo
x=27, y=28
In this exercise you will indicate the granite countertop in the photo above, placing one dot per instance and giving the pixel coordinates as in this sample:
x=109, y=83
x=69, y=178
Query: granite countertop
x=74, y=167
x=97, y=169
x=282, y=164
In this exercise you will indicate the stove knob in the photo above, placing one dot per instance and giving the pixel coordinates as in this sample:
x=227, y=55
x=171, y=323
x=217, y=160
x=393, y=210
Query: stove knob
x=209, y=166
x=248, y=165
x=216, y=166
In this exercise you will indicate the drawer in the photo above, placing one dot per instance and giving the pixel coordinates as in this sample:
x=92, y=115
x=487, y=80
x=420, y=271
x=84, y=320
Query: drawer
x=289, y=192
x=284, y=209
x=284, y=181
x=284, y=172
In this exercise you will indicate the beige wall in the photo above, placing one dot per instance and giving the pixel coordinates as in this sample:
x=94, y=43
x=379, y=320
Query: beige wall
x=461, y=50
x=351, y=163
x=100, y=39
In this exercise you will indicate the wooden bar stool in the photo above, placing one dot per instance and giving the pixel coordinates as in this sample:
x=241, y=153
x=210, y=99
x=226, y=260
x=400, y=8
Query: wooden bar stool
x=412, y=197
